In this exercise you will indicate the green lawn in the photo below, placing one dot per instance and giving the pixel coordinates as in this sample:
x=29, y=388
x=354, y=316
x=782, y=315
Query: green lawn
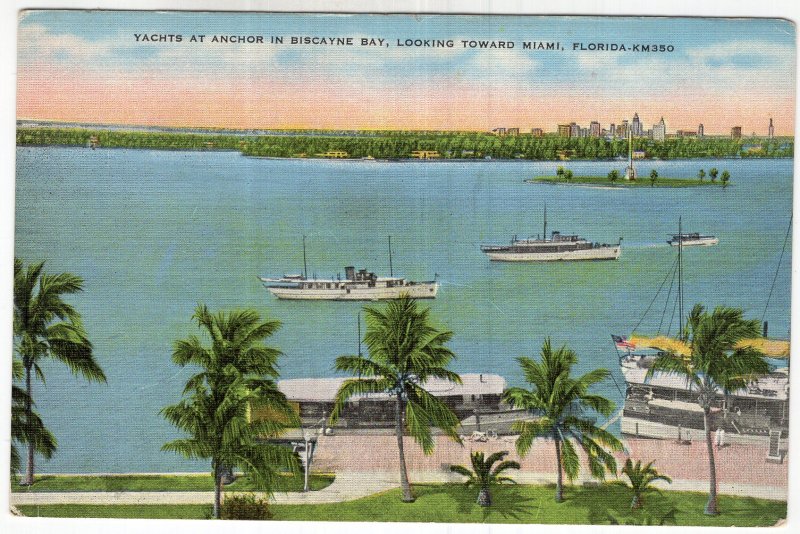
x=456, y=504
x=200, y=482
x=643, y=181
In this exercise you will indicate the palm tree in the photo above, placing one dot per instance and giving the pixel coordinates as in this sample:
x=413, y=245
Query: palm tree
x=483, y=475
x=726, y=176
x=560, y=171
x=568, y=175
x=716, y=359
x=22, y=432
x=561, y=403
x=713, y=173
x=404, y=352
x=613, y=176
x=701, y=175
x=218, y=400
x=640, y=479
x=46, y=326
x=653, y=177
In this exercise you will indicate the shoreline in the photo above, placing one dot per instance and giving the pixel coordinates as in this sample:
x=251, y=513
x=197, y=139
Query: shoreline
x=404, y=160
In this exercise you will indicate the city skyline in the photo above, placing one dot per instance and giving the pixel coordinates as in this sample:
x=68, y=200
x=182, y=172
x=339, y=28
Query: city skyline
x=101, y=73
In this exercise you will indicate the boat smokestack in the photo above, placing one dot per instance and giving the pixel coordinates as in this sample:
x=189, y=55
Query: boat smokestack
x=350, y=272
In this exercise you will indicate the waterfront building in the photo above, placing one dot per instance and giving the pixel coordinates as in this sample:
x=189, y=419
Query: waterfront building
x=583, y=132
x=700, y=130
x=563, y=130
x=771, y=131
x=660, y=130
x=500, y=132
x=537, y=132
x=685, y=133
x=736, y=132
x=425, y=154
x=594, y=129
x=612, y=130
x=481, y=394
x=334, y=154
x=512, y=131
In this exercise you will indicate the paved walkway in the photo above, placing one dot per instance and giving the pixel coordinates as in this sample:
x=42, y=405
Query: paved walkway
x=350, y=486
x=365, y=465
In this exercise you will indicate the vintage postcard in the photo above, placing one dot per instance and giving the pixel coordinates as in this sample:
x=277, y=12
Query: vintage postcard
x=418, y=268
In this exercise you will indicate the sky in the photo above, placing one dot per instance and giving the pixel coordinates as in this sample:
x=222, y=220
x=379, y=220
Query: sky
x=87, y=66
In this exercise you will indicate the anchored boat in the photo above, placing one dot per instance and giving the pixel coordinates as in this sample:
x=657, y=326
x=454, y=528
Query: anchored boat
x=558, y=247
x=692, y=240
x=356, y=285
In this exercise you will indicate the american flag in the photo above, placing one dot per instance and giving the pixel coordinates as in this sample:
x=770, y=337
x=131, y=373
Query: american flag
x=622, y=342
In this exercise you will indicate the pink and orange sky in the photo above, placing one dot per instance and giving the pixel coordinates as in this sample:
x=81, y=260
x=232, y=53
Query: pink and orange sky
x=88, y=67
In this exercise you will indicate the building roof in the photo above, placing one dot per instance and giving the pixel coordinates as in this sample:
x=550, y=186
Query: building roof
x=324, y=389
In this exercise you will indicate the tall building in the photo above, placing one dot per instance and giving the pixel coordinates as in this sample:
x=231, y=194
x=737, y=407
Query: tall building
x=563, y=130
x=660, y=130
x=594, y=129
x=537, y=132
x=612, y=130
x=736, y=132
x=636, y=125
x=771, y=130
x=700, y=130
x=574, y=130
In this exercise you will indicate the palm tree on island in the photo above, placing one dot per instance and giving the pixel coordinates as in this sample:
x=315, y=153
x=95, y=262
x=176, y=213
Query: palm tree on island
x=713, y=173
x=217, y=401
x=717, y=355
x=482, y=474
x=45, y=326
x=405, y=350
x=561, y=402
x=726, y=176
x=653, y=177
x=701, y=174
x=613, y=176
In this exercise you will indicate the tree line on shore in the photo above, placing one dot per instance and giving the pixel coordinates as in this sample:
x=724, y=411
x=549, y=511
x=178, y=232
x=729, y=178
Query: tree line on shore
x=400, y=145
x=235, y=371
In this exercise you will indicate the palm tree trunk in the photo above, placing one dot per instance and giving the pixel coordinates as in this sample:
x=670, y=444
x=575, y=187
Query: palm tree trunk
x=217, y=512
x=560, y=476
x=484, y=498
x=711, y=506
x=636, y=503
x=407, y=496
x=28, y=419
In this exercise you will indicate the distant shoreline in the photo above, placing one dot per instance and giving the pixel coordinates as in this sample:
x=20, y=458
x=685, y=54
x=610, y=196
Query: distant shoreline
x=411, y=160
x=413, y=146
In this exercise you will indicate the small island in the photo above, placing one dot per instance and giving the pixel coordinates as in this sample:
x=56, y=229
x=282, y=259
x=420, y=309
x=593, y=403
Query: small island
x=616, y=179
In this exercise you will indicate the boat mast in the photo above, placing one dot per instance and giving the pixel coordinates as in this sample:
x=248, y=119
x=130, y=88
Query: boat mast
x=359, y=340
x=680, y=279
x=544, y=230
x=390, y=257
x=305, y=266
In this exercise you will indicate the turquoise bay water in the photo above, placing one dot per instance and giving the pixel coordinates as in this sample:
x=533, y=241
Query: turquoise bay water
x=153, y=233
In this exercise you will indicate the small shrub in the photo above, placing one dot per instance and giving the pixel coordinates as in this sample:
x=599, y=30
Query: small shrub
x=245, y=507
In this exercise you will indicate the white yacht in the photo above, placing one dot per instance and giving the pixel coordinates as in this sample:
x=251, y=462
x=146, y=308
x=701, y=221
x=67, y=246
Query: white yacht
x=356, y=285
x=692, y=240
x=557, y=247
